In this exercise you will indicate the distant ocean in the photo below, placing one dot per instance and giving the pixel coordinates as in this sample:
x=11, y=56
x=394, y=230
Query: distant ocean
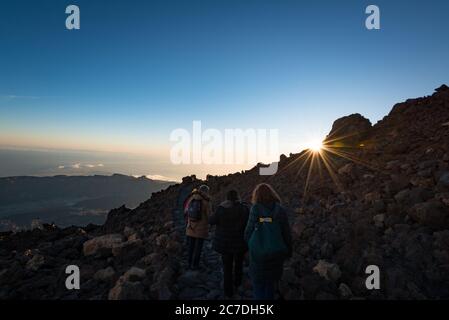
x=21, y=162
x=16, y=162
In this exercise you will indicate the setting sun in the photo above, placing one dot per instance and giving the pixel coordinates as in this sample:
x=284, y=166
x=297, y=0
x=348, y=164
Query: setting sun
x=315, y=145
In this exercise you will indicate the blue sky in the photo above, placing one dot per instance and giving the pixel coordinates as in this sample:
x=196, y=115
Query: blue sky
x=139, y=69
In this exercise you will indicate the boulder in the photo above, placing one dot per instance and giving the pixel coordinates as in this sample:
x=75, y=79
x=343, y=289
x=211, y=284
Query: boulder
x=162, y=240
x=345, y=291
x=152, y=258
x=128, y=231
x=104, y=274
x=348, y=131
x=443, y=197
x=432, y=214
x=134, y=274
x=402, y=196
x=129, y=252
x=379, y=220
x=372, y=196
x=160, y=288
x=108, y=241
x=161, y=291
x=35, y=262
x=346, y=169
x=329, y=271
x=189, y=278
x=124, y=290
x=393, y=165
x=173, y=247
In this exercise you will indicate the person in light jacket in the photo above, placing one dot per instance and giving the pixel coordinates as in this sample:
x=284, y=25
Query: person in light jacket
x=198, y=230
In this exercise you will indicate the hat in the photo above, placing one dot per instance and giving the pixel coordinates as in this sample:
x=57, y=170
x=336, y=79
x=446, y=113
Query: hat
x=204, y=189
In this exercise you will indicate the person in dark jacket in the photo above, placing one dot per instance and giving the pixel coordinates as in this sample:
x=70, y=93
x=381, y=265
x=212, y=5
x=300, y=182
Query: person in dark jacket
x=266, y=203
x=230, y=220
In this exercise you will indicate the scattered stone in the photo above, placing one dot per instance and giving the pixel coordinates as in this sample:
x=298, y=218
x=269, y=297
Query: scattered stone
x=372, y=196
x=345, y=291
x=402, y=196
x=189, y=279
x=329, y=271
x=108, y=241
x=104, y=274
x=124, y=290
x=128, y=231
x=152, y=258
x=162, y=240
x=379, y=220
x=134, y=274
x=431, y=213
x=346, y=169
x=35, y=262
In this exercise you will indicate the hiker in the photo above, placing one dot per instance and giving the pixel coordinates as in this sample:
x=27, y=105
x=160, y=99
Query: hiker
x=197, y=211
x=230, y=219
x=269, y=241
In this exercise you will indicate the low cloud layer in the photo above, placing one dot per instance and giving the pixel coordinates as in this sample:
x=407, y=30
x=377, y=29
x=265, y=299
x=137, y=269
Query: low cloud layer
x=80, y=166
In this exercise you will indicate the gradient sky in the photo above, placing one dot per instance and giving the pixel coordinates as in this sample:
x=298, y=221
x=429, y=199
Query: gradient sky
x=139, y=69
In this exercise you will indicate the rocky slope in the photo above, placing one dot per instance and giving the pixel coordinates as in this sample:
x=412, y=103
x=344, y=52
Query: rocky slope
x=375, y=195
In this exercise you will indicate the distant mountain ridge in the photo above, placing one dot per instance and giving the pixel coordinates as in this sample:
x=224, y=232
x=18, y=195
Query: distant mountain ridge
x=24, y=198
x=30, y=188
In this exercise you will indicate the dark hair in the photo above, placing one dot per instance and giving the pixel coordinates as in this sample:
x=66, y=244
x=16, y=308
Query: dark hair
x=265, y=195
x=232, y=195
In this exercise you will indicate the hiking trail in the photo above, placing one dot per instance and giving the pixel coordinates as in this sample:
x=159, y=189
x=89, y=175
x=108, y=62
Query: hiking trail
x=207, y=282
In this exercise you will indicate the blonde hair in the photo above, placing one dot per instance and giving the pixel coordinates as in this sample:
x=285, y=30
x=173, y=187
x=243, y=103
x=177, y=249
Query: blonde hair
x=264, y=194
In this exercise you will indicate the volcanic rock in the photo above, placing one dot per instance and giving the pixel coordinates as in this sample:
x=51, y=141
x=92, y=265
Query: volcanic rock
x=108, y=241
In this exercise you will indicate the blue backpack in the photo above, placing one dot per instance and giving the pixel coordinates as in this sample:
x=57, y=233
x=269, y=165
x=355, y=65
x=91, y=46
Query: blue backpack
x=194, y=210
x=266, y=242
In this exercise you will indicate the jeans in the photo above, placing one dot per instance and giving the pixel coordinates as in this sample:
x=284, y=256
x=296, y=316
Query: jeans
x=263, y=290
x=232, y=272
x=195, y=248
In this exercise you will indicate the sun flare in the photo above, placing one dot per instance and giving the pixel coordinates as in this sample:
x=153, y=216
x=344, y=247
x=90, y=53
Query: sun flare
x=315, y=145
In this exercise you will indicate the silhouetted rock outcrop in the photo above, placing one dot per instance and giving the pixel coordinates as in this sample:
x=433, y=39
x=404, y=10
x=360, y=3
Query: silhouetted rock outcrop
x=348, y=131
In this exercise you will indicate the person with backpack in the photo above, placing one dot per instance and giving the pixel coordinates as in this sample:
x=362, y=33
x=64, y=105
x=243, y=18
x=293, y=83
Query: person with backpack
x=197, y=211
x=269, y=241
x=230, y=220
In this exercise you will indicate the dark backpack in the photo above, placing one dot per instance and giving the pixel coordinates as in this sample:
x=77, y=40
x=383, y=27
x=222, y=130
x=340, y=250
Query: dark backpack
x=267, y=243
x=194, y=212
